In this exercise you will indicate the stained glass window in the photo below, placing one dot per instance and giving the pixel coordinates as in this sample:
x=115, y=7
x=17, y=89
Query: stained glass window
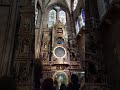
x=57, y=7
x=36, y=16
x=77, y=26
x=75, y=4
x=62, y=17
x=80, y=21
x=82, y=18
x=51, y=18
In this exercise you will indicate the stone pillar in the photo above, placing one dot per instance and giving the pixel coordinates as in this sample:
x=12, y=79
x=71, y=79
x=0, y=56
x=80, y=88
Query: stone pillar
x=8, y=18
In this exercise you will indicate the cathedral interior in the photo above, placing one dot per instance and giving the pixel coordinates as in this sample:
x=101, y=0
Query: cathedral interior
x=57, y=38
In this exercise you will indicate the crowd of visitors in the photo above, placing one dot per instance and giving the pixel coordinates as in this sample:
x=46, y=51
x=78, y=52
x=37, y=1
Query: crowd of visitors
x=7, y=83
x=49, y=84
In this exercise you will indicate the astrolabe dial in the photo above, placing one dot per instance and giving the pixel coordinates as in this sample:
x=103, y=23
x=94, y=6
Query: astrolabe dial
x=59, y=52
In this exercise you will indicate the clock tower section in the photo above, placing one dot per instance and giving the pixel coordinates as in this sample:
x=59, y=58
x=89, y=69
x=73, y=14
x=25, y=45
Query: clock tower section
x=60, y=56
x=55, y=53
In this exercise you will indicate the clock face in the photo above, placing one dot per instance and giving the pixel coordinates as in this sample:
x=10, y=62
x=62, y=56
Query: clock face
x=59, y=52
x=60, y=40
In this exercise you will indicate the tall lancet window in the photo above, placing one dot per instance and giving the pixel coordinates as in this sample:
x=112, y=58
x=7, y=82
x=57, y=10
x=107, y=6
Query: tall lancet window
x=51, y=18
x=75, y=4
x=62, y=17
x=36, y=16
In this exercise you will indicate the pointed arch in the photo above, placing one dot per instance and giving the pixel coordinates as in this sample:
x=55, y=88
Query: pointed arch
x=38, y=14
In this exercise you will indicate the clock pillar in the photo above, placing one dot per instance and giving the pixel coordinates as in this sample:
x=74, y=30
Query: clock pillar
x=60, y=54
x=60, y=59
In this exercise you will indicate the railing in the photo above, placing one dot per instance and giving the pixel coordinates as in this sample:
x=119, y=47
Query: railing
x=66, y=63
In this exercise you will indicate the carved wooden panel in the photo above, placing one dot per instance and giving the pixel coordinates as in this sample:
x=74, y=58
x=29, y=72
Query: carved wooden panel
x=22, y=71
x=23, y=56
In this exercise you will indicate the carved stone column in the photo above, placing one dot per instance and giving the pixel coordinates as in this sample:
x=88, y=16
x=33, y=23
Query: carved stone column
x=23, y=56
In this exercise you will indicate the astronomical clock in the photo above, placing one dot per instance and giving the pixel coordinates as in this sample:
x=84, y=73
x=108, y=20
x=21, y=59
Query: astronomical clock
x=56, y=54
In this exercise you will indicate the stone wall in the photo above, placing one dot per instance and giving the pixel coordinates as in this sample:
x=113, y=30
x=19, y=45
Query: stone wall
x=111, y=42
x=7, y=31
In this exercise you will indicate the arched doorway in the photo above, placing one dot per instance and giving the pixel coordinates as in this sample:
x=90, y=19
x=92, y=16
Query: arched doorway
x=60, y=77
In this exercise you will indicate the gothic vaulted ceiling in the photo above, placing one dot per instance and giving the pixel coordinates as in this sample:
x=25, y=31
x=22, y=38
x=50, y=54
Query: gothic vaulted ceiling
x=65, y=3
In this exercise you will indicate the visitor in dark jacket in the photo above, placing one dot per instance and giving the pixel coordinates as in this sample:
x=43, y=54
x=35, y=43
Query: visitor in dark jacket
x=74, y=83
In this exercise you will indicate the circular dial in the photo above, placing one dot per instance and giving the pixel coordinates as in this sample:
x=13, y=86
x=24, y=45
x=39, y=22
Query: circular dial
x=60, y=40
x=59, y=52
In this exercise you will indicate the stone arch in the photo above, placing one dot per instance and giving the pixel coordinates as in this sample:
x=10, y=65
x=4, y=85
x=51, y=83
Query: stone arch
x=60, y=74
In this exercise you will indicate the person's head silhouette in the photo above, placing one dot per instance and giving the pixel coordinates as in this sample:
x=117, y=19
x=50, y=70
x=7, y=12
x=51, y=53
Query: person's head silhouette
x=47, y=84
x=74, y=78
